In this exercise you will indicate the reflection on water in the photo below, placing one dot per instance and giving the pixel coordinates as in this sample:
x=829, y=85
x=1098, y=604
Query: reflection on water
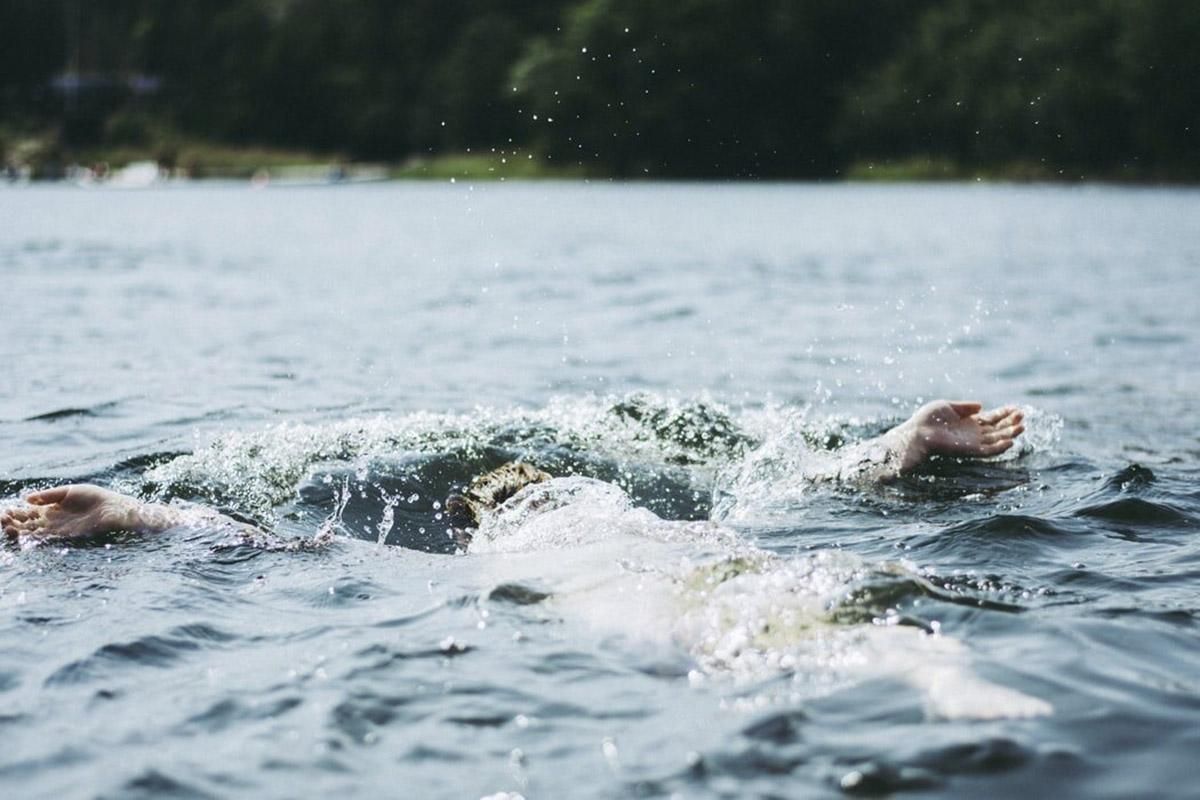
x=356, y=354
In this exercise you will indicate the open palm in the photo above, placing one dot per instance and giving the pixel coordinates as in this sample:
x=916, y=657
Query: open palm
x=67, y=511
x=963, y=429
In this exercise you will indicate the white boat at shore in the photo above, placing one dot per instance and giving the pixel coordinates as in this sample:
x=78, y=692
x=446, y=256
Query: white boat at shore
x=134, y=175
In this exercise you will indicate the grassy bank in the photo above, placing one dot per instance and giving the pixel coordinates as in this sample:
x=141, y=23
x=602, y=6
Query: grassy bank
x=481, y=167
x=204, y=160
x=935, y=169
x=46, y=159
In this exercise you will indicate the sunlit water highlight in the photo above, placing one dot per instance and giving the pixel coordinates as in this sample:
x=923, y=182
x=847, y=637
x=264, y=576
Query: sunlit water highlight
x=682, y=615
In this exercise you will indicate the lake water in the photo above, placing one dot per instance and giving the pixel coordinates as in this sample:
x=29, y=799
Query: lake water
x=352, y=354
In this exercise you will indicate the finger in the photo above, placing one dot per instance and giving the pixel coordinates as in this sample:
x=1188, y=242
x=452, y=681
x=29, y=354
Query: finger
x=43, y=498
x=1008, y=432
x=1011, y=418
x=1005, y=427
x=997, y=448
x=18, y=529
x=996, y=414
x=965, y=408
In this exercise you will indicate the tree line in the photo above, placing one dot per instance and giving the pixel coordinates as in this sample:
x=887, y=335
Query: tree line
x=686, y=88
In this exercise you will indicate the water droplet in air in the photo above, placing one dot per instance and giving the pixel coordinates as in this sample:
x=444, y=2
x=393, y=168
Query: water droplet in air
x=609, y=748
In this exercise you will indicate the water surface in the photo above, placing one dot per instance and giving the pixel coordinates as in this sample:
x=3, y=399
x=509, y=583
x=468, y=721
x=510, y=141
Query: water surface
x=295, y=354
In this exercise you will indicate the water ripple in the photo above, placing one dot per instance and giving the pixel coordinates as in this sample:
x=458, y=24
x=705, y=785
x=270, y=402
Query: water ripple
x=150, y=651
x=1138, y=511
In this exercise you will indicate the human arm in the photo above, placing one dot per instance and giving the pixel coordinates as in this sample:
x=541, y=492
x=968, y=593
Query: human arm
x=941, y=427
x=76, y=510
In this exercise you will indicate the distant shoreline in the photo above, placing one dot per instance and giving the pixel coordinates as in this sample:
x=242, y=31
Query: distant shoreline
x=33, y=161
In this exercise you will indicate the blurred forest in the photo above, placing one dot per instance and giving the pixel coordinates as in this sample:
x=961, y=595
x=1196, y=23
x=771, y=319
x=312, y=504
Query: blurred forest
x=1104, y=89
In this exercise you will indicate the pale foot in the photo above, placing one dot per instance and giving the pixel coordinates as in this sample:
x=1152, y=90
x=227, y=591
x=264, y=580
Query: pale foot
x=956, y=429
x=71, y=511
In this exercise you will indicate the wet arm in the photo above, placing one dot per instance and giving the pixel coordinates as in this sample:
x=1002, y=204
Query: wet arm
x=941, y=427
x=83, y=510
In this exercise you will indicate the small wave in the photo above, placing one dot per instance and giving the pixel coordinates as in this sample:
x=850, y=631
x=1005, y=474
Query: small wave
x=778, y=728
x=877, y=597
x=1057, y=390
x=155, y=784
x=1137, y=511
x=1002, y=528
x=1135, y=476
x=230, y=712
x=778, y=747
x=383, y=659
x=62, y=413
x=12, y=719
x=151, y=651
x=517, y=594
x=1185, y=618
x=990, y=755
x=359, y=717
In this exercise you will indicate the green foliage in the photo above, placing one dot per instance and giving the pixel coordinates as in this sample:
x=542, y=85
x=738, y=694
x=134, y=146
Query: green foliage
x=729, y=88
x=479, y=167
x=914, y=168
x=1094, y=88
x=33, y=47
x=687, y=88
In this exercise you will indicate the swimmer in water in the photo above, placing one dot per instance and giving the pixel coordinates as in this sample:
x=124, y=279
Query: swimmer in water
x=942, y=427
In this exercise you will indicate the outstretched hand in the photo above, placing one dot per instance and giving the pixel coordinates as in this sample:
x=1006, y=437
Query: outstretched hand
x=68, y=511
x=959, y=429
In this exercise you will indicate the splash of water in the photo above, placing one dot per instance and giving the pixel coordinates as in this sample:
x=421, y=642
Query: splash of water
x=256, y=471
x=743, y=614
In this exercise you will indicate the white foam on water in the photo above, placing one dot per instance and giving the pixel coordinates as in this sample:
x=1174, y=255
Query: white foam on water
x=258, y=470
x=762, y=461
x=775, y=480
x=573, y=512
x=743, y=615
